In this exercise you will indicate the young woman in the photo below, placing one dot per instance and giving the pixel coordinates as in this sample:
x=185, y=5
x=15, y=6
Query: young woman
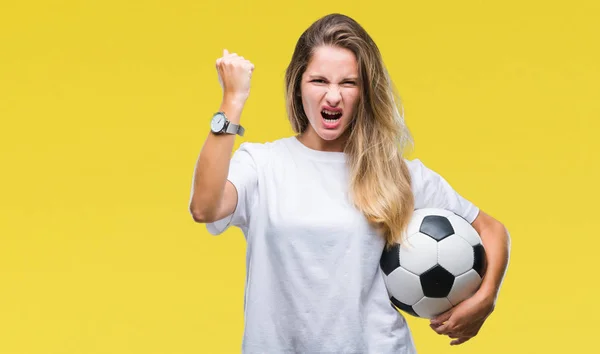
x=318, y=208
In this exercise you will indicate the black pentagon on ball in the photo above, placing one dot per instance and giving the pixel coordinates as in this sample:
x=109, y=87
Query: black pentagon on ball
x=436, y=226
x=437, y=282
x=390, y=259
x=479, y=263
x=404, y=307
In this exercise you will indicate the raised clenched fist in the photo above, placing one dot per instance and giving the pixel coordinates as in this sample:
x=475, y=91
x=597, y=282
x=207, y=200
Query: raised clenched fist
x=234, y=73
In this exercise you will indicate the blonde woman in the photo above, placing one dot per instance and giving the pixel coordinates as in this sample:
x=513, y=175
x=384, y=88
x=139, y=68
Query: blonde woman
x=318, y=208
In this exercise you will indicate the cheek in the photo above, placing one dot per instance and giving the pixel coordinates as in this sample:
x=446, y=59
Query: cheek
x=353, y=95
x=312, y=93
x=310, y=99
x=352, y=98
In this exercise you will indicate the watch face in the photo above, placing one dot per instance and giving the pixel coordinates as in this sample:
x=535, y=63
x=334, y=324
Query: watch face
x=217, y=123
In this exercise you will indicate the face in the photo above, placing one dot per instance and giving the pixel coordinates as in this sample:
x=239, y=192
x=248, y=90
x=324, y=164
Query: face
x=329, y=83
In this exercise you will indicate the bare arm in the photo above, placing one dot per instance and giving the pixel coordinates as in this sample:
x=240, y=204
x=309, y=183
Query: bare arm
x=213, y=197
x=496, y=240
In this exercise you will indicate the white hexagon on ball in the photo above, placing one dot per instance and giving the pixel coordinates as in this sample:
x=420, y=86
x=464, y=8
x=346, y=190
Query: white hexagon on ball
x=404, y=286
x=429, y=307
x=465, y=230
x=418, y=253
x=455, y=254
x=464, y=287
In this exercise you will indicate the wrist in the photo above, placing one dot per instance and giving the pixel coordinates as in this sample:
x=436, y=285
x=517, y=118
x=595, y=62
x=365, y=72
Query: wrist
x=487, y=294
x=233, y=99
x=232, y=109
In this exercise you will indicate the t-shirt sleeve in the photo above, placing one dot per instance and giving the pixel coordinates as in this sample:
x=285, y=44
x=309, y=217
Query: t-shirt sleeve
x=243, y=174
x=432, y=191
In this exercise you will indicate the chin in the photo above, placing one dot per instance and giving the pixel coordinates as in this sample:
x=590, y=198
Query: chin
x=330, y=135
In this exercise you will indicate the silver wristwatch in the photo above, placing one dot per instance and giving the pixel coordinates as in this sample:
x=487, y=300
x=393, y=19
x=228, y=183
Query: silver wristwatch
x=221, y=125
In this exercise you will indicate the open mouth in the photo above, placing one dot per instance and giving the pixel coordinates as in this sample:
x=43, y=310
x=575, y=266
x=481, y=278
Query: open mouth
x=331, y=117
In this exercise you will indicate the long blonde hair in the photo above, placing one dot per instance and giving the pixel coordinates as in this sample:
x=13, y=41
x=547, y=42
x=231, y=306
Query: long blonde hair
x=380, y=183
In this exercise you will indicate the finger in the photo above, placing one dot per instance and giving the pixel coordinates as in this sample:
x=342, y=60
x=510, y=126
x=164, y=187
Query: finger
x=460, y=340
x=442, y=317
x=435, y=325
x=454, y=335
x=225, y=52
x=444, y=328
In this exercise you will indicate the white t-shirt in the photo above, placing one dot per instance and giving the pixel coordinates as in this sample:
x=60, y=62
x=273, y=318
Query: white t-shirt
x=313, y=280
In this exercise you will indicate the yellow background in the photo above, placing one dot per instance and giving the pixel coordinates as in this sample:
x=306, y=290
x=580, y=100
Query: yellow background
x=104, y=106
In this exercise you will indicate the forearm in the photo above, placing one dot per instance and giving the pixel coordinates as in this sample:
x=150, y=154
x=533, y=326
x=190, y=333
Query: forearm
x=496, y=241
x=212, y=166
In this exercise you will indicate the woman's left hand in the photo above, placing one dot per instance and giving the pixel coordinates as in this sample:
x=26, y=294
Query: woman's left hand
x=463, y=321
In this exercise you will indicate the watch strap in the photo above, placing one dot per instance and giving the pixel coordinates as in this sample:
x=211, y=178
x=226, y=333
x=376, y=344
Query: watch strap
x=234, y=129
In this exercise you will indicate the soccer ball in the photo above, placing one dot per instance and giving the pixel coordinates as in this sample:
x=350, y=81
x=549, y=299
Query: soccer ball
x=440, y=263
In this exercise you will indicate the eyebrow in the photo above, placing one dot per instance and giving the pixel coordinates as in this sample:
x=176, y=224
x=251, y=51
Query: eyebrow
x=322, y=77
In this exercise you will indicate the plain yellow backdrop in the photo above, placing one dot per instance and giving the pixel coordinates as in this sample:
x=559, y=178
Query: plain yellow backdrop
x=105, y=105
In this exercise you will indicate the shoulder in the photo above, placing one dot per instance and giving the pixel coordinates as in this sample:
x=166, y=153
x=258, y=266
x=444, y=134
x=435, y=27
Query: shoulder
x=415, y=167
x=421, y=175
x=414, y=163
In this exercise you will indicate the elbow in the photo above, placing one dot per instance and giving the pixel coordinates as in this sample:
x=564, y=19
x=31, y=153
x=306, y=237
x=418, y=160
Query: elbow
x=197, y=208
x=201, y=216
x=198, y=215
x=202, y=209
x=508, y=240
x=503, y=230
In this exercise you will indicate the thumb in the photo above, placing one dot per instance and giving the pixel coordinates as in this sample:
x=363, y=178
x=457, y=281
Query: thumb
x=225, y=52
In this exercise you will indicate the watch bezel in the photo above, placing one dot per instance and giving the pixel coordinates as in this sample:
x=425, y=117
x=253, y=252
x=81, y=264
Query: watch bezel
x=223, y=127
x=228, y=127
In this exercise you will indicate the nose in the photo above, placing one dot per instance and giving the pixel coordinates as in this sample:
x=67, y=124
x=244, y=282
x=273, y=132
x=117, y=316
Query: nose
x=333, y=96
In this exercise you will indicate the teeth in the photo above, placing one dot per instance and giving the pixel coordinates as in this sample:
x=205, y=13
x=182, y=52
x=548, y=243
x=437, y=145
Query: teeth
x=329, y=112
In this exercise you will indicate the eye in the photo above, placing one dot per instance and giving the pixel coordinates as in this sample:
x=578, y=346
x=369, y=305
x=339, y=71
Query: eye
x=321, y=81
